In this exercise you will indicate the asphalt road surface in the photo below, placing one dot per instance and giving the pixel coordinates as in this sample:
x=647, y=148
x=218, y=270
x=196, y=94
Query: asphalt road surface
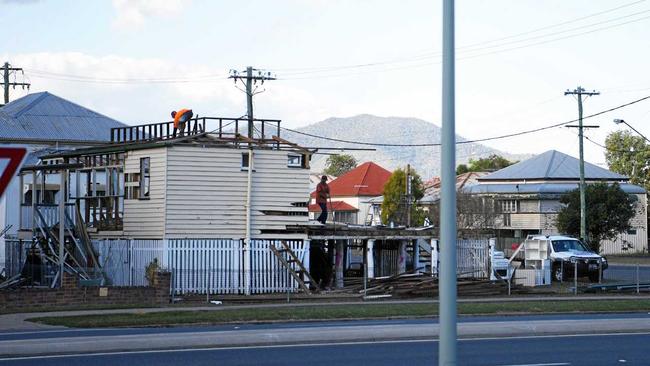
x=603, y=348
x=592, y=350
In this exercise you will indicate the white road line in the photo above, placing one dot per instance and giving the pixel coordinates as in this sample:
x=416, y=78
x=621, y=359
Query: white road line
x=541, y=364
x=91, y=354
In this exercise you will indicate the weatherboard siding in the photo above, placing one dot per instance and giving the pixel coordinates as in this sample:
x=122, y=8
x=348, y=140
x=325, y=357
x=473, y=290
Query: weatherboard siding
x=145, y=219
x=206, y=192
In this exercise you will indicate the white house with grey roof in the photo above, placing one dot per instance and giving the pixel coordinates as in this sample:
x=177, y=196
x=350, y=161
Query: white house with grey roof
x=42, y=122
x=528, y=195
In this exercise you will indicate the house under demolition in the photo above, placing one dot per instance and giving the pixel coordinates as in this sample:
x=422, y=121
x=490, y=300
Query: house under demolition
x=224, y=212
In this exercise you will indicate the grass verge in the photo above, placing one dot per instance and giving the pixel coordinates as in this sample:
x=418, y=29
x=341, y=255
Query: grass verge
x=331, y=312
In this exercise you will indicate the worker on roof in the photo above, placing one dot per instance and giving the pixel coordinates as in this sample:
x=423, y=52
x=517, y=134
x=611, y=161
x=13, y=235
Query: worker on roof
x=180, y=118
x=322, y=194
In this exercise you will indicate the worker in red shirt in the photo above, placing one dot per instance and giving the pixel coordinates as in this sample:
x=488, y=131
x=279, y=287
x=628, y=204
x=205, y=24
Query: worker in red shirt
x=180, y=118
x=322, y=194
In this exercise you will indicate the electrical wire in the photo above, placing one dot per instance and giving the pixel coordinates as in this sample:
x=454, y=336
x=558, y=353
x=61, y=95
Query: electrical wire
x=520, y=133
x=302, y=70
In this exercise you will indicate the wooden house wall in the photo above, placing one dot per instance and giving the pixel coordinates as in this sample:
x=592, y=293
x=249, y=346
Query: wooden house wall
x=145, y=218
x=206, y=192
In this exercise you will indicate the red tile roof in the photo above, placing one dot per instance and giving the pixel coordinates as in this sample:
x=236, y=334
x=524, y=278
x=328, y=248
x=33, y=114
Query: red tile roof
x=368, y=179
x=337, y=206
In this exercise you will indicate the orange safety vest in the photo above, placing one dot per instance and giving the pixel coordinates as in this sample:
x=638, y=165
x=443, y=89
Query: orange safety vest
x=179, y=114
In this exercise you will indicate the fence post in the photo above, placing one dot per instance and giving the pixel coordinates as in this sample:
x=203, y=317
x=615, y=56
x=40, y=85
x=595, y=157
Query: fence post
x=492, y=243
x=434, y=257
x=236, y=251
x=575, y=275
x=370, y=258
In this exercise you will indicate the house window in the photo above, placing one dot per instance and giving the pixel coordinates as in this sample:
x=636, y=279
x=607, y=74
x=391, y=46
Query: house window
x=510, y=206
x=294, y=161
x=631, y=232
x=145, y=178
x=245, y=161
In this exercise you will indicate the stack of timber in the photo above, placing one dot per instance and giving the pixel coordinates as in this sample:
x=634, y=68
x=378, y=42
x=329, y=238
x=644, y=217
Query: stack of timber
x=424, y=285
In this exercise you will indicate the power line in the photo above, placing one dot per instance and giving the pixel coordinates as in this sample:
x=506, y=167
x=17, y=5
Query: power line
x=520, y=133
x=7, y=70
x=469, y=56
x=305, y=70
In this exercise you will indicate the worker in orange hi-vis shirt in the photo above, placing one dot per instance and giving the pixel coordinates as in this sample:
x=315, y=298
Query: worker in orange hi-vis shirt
x=180, y=118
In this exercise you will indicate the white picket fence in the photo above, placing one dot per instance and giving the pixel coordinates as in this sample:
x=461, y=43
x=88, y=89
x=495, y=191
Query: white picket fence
x=472, y=259
x=214, y=266
x=124, y=260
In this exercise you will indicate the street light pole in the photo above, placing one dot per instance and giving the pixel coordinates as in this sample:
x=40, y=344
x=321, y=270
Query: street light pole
x=447, y=346
x=619, y=121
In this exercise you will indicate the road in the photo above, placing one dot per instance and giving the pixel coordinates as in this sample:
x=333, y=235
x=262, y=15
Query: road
x=519, y=340
x=592, y=350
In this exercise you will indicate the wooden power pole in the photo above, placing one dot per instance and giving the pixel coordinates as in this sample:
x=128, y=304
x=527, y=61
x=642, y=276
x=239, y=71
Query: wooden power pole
x=7, y=70
x=580, y=91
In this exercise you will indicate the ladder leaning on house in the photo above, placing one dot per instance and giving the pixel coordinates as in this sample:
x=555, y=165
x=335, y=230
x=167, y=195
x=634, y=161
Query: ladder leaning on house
x=299, y=274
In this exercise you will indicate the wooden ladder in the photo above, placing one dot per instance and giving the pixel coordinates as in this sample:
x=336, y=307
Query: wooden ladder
x=298, y=274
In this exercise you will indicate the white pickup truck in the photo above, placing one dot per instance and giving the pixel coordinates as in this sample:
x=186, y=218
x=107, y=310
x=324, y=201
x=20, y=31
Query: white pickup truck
x=565, y=252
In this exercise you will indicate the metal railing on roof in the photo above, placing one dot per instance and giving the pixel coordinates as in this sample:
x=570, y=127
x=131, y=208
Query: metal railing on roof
x=217, y=126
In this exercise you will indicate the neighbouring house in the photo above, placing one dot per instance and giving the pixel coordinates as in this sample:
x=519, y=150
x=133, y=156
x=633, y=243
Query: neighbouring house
x=207, y=205
x=42, y=123
x=527, y=196
x=351, y=192
x=432, y=187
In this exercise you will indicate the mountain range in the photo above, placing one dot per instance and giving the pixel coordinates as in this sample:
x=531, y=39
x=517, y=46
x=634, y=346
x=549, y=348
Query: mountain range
x=386, y=130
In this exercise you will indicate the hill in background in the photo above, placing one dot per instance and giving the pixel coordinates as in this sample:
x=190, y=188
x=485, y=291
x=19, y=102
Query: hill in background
x=388, y=130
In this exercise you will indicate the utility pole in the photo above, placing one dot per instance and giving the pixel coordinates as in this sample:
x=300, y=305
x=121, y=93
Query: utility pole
x=7, y=69
x=580, y=91
x=250, y=78
x=448, y=344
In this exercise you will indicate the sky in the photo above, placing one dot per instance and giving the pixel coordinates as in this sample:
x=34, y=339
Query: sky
x=137, y=60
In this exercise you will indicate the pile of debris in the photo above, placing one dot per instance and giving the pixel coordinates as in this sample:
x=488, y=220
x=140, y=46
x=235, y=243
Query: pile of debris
x=423, y=284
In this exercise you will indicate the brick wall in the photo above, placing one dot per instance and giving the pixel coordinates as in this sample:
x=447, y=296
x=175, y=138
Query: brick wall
x=71, y=295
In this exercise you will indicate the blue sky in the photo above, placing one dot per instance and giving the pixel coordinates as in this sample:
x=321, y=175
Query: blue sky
x=515, y=59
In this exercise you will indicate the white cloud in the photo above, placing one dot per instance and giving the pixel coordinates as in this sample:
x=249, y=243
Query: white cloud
x=91, y=81
x=133, y=13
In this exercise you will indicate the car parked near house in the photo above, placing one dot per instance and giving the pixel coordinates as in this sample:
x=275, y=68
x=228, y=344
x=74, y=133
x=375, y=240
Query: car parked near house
x=566, y=252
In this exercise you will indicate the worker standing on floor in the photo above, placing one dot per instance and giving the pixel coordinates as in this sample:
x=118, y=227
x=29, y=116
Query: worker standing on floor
x=322, y=194
x=180, y=118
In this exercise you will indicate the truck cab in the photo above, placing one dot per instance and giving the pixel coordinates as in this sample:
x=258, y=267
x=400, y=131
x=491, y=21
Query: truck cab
x=566, y=253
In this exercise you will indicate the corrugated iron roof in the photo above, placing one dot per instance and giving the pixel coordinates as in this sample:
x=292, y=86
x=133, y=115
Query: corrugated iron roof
x=44, y=116
x=540, y=188
x=551, y=165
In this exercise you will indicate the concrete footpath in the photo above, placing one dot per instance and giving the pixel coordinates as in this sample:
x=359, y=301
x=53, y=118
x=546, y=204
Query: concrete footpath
x=17, y=321
x=165, y=339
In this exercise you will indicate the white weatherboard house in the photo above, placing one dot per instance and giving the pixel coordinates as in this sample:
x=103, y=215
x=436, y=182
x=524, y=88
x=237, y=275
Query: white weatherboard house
x=528, y=196
x=41, y=122
x=206, y=205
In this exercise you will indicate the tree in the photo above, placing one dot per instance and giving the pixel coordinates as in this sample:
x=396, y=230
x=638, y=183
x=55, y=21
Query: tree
x=629, y=155
x=338, y=165
x=462, y=169
x=394, y=206
x=609, y=211
x=491, y=163
x=475, y=215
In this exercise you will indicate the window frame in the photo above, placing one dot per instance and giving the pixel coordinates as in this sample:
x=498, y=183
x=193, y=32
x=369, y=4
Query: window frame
x=145, y=179
x=301, y=159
